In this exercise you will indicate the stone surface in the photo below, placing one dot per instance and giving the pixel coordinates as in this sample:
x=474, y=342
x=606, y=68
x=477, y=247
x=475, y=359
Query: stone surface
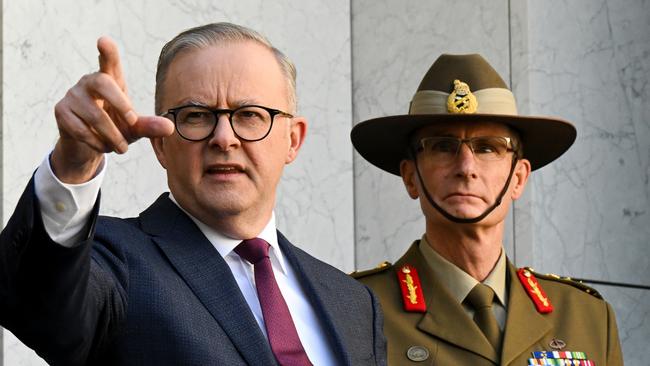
x=590, y=63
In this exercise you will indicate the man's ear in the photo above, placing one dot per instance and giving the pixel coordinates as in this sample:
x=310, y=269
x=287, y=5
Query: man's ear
x=297, y=133
x=158, y=147
x=409, y=178
x=520, y=177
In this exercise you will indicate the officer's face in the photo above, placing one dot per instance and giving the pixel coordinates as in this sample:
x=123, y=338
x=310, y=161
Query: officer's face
x=465, y=185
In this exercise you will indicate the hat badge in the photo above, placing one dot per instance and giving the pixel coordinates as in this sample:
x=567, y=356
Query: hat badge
x=461, y=100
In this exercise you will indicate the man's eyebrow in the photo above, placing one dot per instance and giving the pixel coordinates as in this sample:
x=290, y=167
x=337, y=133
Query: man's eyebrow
x=193, y=102
x=243, y=102
x=234, y=104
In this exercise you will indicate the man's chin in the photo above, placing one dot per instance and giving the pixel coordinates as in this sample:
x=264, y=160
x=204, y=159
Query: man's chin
x=466, y=212
x=223, y=207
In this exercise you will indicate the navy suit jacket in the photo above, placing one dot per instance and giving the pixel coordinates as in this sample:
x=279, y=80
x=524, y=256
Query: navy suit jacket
x=152, y=290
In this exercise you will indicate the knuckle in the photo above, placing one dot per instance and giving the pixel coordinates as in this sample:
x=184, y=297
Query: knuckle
x=73, y=94
x=62, y=115
x=96, y=116
x=59, y=110
x=80, y=133
x=102, y=80
x=86, y=79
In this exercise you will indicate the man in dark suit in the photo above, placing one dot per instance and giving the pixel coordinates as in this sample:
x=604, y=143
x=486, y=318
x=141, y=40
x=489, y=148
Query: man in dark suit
x=454, y=298
x=201, y=277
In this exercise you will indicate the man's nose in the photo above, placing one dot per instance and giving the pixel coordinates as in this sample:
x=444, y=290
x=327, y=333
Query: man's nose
x=465, y=160
x=223, y=135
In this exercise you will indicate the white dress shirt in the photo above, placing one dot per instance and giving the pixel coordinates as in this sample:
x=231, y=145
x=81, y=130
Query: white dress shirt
x=66, y=208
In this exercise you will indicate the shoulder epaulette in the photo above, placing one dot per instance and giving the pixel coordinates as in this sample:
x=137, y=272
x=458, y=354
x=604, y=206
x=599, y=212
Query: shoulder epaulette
x=380, y=268
x=568, y=281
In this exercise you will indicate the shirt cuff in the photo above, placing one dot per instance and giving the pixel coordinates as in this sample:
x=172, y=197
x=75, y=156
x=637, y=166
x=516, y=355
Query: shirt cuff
x=66, y=208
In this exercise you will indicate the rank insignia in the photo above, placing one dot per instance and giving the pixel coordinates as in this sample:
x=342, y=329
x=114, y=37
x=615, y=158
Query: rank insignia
x=567, y=358
x=461, y=100
x=534, y=291
x=409, y=283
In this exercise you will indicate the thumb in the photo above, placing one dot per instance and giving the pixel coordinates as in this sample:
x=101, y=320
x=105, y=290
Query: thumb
x=152, y=126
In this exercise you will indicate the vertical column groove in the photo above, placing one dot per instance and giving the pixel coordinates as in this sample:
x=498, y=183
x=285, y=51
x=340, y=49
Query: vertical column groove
x=354, y=167
x=512, y=205
x=1, y=156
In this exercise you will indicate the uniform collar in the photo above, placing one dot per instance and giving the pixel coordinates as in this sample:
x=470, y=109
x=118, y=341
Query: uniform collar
x=457, y=281
x=225, y=245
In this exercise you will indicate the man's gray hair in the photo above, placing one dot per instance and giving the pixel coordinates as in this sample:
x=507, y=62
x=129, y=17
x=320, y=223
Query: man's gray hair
x=214, y=34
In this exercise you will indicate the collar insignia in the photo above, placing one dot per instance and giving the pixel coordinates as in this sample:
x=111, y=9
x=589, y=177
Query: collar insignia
x=534, y=291
x=409, y=283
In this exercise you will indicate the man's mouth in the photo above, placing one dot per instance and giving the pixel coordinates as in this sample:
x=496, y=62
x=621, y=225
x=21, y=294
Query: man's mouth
x=224, y=169
x=462, y=196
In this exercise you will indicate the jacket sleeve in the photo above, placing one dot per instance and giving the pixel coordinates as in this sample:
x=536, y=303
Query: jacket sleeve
x=614, y=354
x=378, y=330
x=55, y=299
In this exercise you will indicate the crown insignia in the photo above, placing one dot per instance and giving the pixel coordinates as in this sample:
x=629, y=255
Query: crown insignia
x=461, y=100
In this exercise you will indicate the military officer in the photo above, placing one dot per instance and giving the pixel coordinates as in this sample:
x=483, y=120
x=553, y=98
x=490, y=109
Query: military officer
x=454, y=298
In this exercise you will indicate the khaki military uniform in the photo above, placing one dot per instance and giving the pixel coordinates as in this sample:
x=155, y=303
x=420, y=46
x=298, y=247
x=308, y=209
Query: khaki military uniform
x=445, y=335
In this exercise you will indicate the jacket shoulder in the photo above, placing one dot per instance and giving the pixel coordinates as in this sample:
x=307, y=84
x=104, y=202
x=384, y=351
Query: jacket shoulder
x=381, y=267
x=566, y=281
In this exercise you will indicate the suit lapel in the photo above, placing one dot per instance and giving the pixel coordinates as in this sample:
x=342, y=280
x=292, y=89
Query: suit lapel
x=209, y=277
x=319, y=294
x=524, y=325
x=445, y=318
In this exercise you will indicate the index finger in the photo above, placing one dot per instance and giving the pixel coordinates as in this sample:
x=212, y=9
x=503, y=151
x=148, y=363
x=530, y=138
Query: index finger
x=109, y=60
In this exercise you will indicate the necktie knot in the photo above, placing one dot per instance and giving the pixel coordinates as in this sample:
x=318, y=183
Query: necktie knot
x=253, y=250
x=481, y=296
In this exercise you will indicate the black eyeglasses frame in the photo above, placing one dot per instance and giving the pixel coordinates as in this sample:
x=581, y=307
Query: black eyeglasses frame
x=217, y=111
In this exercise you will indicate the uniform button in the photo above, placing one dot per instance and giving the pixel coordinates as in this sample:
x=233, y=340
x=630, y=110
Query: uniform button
x=417, y=353
x=60, y=206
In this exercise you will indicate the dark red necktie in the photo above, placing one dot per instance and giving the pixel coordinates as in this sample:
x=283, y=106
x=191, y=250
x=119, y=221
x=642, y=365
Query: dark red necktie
x=280, y=328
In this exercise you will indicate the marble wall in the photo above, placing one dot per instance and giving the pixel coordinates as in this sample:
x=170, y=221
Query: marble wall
x=589, y=61
x=586, y=215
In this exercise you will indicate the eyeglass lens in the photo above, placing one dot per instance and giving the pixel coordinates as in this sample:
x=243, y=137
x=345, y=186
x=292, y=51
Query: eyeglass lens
x=248, y=122
x=445, y=149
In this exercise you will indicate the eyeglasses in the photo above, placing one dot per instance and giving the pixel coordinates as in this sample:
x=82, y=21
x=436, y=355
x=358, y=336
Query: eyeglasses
x=249, y=122
x=443, y=149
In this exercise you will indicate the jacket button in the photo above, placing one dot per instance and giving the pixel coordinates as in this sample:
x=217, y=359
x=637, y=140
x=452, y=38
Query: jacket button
x=417, y=353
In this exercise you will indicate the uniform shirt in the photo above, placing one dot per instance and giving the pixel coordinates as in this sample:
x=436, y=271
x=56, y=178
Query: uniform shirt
x=66, y=208
x=459, y=283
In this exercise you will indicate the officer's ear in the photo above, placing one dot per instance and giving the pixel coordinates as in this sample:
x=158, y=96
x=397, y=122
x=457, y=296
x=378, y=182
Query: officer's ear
x=520, y=177
x=409, y=177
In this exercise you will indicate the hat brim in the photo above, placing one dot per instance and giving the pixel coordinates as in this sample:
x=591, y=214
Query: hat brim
x=384, y=141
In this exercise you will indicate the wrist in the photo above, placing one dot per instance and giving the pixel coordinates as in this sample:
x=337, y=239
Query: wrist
x=75, y=166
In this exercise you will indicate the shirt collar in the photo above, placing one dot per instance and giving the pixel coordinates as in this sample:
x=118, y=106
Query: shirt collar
x=457, y=281
x=225, y=245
